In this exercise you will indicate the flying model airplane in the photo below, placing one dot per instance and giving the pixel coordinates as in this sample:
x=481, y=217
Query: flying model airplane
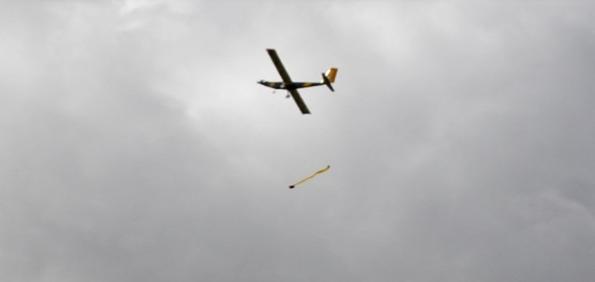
x=327, y=79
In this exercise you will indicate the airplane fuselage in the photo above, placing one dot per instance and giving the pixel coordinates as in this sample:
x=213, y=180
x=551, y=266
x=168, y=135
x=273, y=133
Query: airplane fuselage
x=288, y=86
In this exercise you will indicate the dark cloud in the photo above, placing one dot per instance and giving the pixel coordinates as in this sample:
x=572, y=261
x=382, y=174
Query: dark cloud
x=136, y=145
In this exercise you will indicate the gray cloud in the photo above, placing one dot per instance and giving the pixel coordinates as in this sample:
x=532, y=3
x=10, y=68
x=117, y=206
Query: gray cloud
x=136, y=145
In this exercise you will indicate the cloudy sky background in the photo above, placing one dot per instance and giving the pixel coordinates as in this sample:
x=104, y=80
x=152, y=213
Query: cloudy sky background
x=135, y=144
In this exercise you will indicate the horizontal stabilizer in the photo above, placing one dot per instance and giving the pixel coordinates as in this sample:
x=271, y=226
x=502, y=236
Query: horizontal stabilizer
x=327, y=82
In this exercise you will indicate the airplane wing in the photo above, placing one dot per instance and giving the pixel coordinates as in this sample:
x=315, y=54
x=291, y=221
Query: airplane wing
x=298, y=100
x=279, y=65
x=287, y=80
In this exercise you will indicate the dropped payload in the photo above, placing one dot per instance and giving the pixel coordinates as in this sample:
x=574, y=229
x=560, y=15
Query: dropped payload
x=310, y=177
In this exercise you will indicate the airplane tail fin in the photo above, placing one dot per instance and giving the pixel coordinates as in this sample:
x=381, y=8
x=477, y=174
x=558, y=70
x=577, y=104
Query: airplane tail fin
x=331, y=74
x=329, y=77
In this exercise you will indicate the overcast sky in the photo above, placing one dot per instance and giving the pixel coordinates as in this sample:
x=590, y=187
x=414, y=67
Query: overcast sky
x=135, y=144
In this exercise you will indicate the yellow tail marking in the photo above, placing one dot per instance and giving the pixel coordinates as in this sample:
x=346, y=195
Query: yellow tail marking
x=331, y=74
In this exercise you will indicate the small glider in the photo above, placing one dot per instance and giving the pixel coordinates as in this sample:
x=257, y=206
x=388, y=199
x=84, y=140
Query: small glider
x=327, y=79
x=310, y=177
